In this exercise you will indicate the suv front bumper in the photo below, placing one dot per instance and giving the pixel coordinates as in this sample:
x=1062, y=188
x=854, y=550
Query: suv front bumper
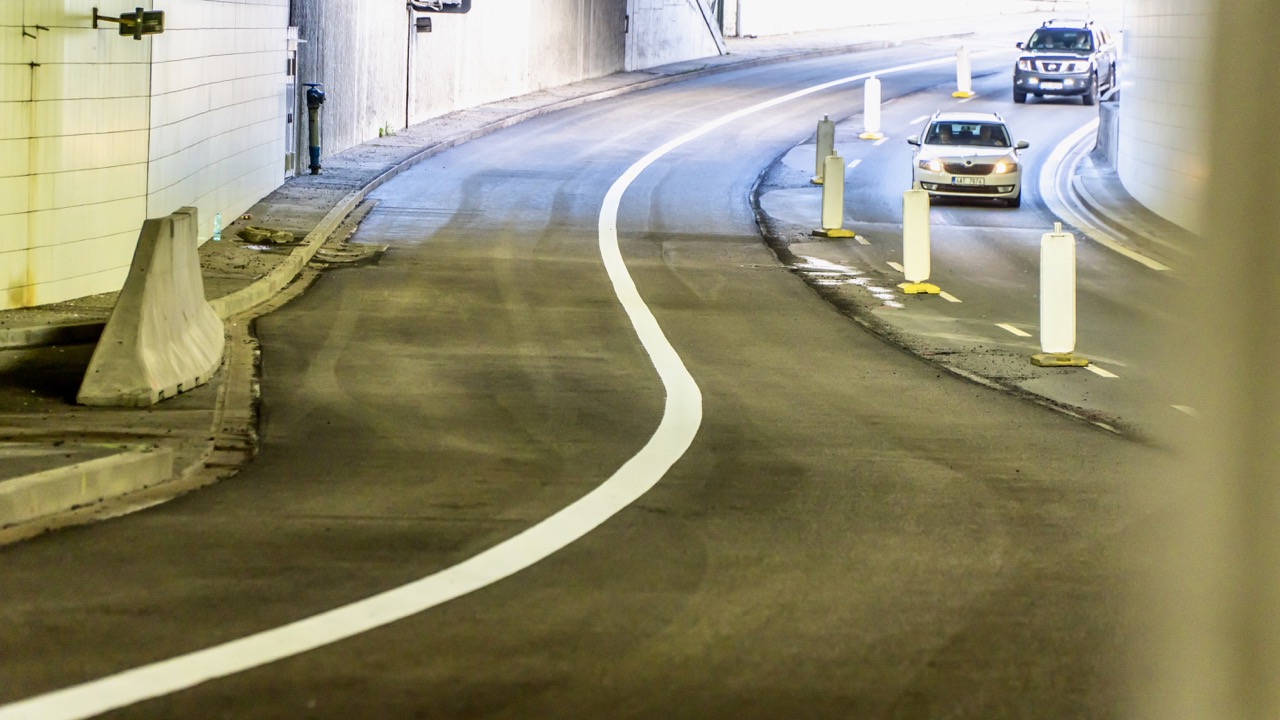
x=1051, y=84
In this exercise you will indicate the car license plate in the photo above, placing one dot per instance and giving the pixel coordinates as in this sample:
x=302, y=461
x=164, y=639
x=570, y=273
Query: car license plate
x=1051, y=85
x=968, y=181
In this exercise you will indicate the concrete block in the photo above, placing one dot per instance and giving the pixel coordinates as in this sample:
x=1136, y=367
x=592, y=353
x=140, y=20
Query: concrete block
x=163, y=337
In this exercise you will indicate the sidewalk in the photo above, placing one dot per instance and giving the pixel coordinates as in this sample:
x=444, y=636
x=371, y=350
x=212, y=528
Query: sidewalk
x=63, y=464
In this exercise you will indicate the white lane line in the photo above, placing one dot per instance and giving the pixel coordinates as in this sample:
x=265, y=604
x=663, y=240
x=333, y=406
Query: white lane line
x=1186, y=410
x=881, y=141
x=681, y=419
x=949, y=297
x=919, y=120
x=968, y=99
x=853, y=164
x=1016, y=331
x=1099, y=371
x=1052, y=197
x=896, y=266
x=861, y=240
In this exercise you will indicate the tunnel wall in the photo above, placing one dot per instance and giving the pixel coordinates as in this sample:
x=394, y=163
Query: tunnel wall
x=73, y=152
x=381, y=74
x=98, y=132
x=1162, y=156
x=770, y=17
x=667, y=31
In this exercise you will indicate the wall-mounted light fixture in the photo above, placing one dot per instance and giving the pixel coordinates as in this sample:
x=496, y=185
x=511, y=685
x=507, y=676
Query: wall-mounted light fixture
x=135, y=24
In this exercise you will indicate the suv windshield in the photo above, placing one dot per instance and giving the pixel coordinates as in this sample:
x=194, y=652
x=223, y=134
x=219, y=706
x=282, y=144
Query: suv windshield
x=1061, y=39
x=968, y=133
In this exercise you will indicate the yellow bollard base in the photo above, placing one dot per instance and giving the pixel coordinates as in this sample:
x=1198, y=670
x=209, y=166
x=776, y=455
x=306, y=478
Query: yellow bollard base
x=816, y=180
x=963, y=94
x=871, y=136
x=920, y=288
x=834, y=233
x=1059, y=360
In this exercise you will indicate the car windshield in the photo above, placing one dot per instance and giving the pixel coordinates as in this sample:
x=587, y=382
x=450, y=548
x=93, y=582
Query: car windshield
x=1061, y=39
x=968, y=133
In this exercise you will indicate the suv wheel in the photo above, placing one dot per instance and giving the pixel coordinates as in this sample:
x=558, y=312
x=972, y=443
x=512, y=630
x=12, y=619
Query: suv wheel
x=1091, y=94
x=1019, y=97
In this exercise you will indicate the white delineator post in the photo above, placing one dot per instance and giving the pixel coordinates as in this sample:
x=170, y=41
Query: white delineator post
x=826, y=146
x=871, y=110
x=833, y=200
x=1058, y=301
x=915, y=243
x=964, y=74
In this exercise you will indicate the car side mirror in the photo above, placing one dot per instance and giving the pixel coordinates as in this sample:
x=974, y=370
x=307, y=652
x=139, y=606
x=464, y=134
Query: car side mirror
x=1020, y=45
x=913, y=141
x=1022, y=145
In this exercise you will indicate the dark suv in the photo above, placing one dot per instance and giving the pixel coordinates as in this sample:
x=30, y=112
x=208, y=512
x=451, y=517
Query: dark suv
x=1064, y=57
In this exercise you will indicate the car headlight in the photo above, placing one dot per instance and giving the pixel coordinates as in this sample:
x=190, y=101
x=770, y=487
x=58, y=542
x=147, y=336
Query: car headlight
x=1024, y=65
x=1007, y=165
x=934, y=165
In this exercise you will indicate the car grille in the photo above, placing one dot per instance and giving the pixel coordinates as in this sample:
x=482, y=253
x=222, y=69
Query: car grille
x=1058, y=66
x=956, y=168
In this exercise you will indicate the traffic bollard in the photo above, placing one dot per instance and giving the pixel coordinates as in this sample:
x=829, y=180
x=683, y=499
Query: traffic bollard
x=964, y=74
x=1058, y=301
x=915, y=244
x=826, y=147
x=833, y=200
x=871, y=110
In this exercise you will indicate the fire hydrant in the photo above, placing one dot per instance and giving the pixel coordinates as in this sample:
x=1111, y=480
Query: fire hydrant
x=315, y=98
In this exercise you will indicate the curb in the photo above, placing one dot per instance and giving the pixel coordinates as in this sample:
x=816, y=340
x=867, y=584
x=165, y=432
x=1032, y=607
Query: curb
x=31, y=498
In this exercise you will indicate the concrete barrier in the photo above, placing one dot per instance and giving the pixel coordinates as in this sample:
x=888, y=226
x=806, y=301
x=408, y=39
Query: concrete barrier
x=1107, y=151
x=162, y=338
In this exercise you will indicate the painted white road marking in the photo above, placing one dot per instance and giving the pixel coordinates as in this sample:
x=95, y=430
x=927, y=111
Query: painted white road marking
x=896, y=266
x=1100, y=372
x=882, y=141
x=861, y=240
x=681, y=419
x=1053, y=198
x=1186, y=410
x=949, y=297
x=919, y=120
x=1016, y=331
x=853, y=164
x=968, y=99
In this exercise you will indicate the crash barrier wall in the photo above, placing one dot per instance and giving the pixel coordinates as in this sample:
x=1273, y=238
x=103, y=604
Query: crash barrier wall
x=162, y=338
x=1107, y=149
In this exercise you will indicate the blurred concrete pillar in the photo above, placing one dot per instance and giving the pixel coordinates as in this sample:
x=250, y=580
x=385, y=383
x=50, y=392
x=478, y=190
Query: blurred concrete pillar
x=1215, y=653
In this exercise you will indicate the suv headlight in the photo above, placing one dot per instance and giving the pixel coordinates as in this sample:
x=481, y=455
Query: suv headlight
x=1005, y=165
x=934, y=165
x=1024, y=65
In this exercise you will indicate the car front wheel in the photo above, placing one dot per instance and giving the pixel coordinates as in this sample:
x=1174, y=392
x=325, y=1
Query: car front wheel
x=1091, y=94
x=1015, y=201
x=1019, y=97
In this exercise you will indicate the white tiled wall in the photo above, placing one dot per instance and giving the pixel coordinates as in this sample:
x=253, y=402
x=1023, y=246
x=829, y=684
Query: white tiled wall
x=1164, y=83
x=217, y=108
x=106, y=131
x=72, y=152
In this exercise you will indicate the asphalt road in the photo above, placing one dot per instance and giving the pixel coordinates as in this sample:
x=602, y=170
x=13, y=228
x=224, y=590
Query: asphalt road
x=987, y=260
x=851, y=532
